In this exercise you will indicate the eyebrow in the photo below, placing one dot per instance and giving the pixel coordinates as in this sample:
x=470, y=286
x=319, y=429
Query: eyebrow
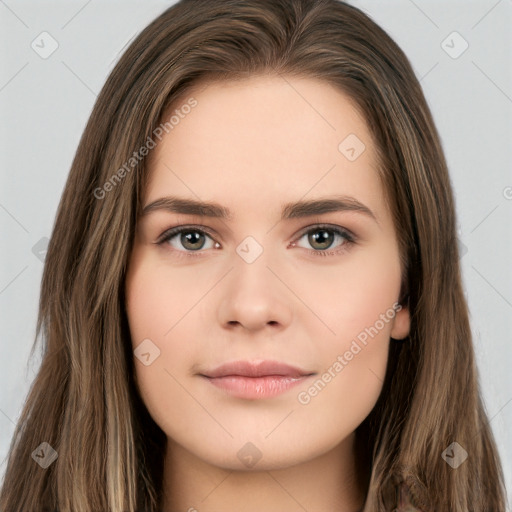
x=293, y=210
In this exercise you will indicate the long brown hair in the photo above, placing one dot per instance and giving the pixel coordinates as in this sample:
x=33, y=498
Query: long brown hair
x=84, y=402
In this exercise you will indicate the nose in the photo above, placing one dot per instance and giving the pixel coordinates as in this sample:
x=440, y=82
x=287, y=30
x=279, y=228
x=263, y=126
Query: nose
x=254, y=296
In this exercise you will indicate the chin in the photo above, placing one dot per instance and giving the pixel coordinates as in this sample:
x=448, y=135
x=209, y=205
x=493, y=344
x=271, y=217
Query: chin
x=249, y=454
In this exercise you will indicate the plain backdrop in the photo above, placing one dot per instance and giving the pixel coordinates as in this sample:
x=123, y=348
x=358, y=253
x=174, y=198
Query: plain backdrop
x=460, y=50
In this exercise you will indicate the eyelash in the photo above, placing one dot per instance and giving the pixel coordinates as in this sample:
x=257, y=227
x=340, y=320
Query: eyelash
x=350, y=239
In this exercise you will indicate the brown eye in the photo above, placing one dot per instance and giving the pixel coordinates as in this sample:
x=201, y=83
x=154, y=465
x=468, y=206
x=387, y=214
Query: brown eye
x=191, y=239
x=322, y=238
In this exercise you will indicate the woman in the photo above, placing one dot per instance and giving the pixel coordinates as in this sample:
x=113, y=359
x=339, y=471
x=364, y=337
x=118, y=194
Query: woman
x=252, y=374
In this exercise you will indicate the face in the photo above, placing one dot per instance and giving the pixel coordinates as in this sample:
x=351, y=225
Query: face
x=263, y=334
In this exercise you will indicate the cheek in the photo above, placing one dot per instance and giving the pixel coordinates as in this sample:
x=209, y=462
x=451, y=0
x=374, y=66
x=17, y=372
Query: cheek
x=157, y=303
x=152, y=308
x=345, y=392
x=354, y=362
x=156, y=300
x=351, y=295
x=356, y=304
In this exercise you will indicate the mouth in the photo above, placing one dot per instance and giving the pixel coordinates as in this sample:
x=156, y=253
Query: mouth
x=257, y=379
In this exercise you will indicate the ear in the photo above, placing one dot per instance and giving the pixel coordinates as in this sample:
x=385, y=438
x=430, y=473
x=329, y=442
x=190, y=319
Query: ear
x=401, y=324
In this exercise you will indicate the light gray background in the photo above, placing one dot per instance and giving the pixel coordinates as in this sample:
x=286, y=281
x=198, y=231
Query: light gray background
x=45, y=104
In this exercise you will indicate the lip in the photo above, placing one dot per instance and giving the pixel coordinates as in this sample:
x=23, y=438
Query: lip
x=259, y=368
x=256, y=379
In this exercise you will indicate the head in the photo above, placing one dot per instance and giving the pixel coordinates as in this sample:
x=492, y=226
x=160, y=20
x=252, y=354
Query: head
x=256, y=284
x=288, y=101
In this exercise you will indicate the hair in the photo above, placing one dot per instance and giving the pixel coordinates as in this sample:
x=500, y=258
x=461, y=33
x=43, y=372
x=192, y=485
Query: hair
x=84, y=401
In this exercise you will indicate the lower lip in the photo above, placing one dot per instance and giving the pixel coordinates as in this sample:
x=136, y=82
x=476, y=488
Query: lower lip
x=254, y=388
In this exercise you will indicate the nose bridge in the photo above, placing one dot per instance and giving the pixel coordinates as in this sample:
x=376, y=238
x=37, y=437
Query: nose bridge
x=254, y=296
x=251, y=272
x=251, y=250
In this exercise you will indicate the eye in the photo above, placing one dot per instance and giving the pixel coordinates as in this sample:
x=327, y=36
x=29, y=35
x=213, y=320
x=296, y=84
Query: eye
x=191, y=238
x=322, y=237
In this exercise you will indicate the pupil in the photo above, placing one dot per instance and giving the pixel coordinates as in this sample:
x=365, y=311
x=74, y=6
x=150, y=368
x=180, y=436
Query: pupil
x=190, y=238
x=324, y=239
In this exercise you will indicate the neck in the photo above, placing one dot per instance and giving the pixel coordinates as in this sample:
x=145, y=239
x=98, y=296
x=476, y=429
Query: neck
x=330, y=482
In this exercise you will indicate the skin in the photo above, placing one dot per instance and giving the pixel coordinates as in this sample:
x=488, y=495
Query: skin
x=251, y=146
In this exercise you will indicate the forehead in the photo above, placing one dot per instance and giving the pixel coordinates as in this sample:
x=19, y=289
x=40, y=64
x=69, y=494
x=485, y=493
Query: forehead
x=265, y=139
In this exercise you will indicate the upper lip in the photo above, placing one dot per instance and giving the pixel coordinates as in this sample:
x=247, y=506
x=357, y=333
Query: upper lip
x=255, y=369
